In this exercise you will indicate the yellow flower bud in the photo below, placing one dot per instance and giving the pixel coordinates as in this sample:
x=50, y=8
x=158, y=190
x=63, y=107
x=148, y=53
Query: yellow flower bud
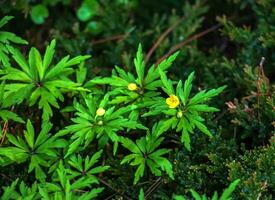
x=132, y=86
x=100, y=123
x=172, y=101
x=100, y=112
x=179, y=114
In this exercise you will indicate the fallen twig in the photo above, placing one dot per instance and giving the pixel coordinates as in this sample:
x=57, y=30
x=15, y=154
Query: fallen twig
x=161, y=38
x=190, y=39
x=152, y=188
x=115, y=37
x=112, y=188
x=4, y=132
x=119, y=37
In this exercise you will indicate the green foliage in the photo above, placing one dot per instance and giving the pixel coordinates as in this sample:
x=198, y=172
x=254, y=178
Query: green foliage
x=89, y=125
x=38, y=80
x=106, y=126
x=87, y=10
x=84, y=166
x=5, y=114
x=24, y=192
x=185, y=115
x=145, y=153
x=60, y=188
x=39, y=13
x=63, y=187
x=37, y=151
x=144, y=85
x=6, y=39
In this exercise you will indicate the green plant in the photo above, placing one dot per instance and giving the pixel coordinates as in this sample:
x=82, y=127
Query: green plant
x=139, y=90
x=183, y=111
x=145, y=153
x=60, y=188
x=39, y=13
x=6, y=40
x=99, y=151
x=97, y=120
x=39, y=80
x=64, y=188
x=24, y=192
x=5, y=114
x=85, y=167
x=37, y=151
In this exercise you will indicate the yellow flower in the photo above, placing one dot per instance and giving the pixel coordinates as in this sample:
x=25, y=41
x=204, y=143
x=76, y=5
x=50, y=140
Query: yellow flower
x=172, y=101
x=100, y=112
x=132, y=86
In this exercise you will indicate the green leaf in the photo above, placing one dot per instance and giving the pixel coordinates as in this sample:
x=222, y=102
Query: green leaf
x=167, y=63
x=6, y=115
x=185, y=138
x=140, y=65
x=141, y=195
x=20, y=60
x=130, y=145
x=195, y=195
x=5, y=20
x=94, y=27
x=203, y=96
x=187, y=88
x=139, y=173
x=167, y=84
x=228, y=191
x=48, y=57
x=10, y=190
x=87, y=10
x=29, y=135
x=178, y=197
x=202, y=108
x=39, y=13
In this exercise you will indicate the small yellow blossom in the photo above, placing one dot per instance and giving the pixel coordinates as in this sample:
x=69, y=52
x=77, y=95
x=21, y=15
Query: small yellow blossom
x=172, y=101
x=100, y=112
x=132, y=86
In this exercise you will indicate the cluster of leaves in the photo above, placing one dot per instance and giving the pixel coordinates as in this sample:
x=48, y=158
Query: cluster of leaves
x=138, y=131
x=98, y=118
x=6, y=40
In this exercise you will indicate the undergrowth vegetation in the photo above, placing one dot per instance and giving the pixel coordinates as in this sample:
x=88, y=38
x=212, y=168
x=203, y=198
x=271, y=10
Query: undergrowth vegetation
x=187, y=111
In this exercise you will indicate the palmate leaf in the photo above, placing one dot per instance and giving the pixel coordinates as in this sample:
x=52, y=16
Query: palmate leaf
x=20, y=191
x=167, y=84
x=89, y=126
x=62, y=187
x=6, y=39
x=144, y=83
x=37, y=150
x=38, y=80
x=6, y=114
x=185, y=115
x=140, y=65
x=144, y=153
x=85, y=167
